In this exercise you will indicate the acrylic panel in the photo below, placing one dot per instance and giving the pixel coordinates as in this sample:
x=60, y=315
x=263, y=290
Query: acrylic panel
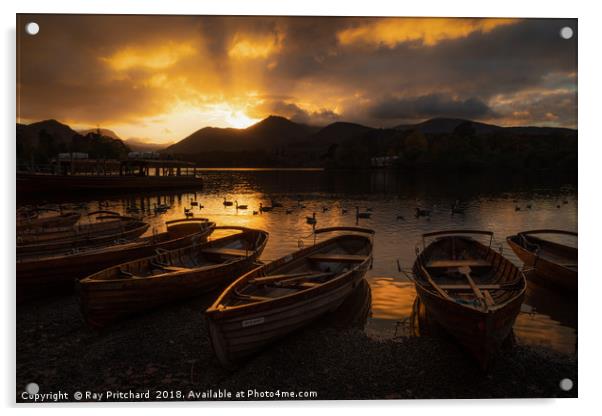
x=295, y=208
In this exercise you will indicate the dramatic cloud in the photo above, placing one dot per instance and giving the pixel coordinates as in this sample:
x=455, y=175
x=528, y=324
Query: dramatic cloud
x=434, y=105
x=427, y=31
x=160, y=57
x=294, y=112
x=163, y=77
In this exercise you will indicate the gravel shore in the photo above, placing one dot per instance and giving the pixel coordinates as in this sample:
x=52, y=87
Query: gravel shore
x=168, y=350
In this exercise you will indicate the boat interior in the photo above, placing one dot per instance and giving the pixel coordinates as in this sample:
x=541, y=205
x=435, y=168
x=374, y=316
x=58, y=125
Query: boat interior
x=461, y=269
x=295, y=274
x=192, y=258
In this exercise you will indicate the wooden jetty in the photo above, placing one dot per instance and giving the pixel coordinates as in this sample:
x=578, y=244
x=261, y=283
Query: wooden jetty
x=89, y=176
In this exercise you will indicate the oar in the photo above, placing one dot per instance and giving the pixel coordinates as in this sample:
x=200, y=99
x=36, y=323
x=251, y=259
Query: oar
x=287, y=277
x=296, y=279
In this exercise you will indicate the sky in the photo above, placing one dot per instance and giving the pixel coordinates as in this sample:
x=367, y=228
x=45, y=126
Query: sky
x=161, y=78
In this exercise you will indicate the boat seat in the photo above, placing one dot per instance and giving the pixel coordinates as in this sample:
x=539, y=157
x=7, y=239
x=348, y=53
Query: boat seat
x=175, y=268
x=227, y=251
x=242, y=296
x=448, y=264
x=125, y=273
x=308, y=285
x=168, y=267
x=338, y=258
x=467, y=287
x=128, y=275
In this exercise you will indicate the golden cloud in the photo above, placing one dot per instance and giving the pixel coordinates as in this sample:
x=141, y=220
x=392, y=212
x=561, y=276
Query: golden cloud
x=244, y=46
x=429, y=31
x=156, y=57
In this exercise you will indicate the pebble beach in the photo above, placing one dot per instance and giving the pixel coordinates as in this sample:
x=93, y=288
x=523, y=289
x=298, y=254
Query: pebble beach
x=166, y=355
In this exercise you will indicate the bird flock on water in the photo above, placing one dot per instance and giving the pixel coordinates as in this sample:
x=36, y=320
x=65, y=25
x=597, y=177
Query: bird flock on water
x=456, y=208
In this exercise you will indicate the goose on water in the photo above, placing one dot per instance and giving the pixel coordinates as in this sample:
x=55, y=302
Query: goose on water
x=312, y=219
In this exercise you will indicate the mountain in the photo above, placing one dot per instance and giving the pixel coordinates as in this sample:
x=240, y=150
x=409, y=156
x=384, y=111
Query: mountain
x=540, y=131
x=29, y=134
x=276, y=141
x=134, y=143
x=442, y=125
x=42, y=141
x=336, y=133
x=103, y=132
x=142, y=145
x=271, y=132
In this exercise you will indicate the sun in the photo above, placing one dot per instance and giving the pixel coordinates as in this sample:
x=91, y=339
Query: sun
x=239, y=120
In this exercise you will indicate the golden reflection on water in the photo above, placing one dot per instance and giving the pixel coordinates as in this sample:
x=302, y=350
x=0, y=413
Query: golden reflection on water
x=392, y=302
x=546, y=320
x=541, y=330
x=392, y=299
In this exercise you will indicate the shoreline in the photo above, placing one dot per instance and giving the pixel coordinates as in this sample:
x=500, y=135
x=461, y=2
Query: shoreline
x=169, y=350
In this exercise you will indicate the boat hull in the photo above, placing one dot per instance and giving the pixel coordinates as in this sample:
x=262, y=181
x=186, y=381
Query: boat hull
x=480, y=333
x=105, y=301
x=546, y=272
x=46, y=276
x=240, y=332
x=95, y=235
x=471, y=291
x=58, y=221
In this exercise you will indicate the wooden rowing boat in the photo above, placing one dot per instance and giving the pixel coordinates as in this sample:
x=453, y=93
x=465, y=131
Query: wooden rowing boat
x=98, y=222
x=469, y=289
x=146, y=283
x=67, y=219
x=109, y=228
x=55, y=273
x=550, y=263
x=275, y=299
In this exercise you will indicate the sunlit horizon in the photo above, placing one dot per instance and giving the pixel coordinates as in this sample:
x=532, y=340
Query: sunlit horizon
x=191, y=72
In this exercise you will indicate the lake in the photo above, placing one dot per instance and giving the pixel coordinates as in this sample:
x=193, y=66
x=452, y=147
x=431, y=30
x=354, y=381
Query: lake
x=502, y=203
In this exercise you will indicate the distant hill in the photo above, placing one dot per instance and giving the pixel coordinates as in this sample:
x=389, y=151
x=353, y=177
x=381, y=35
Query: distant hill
x=442, y=125
x=134, y=143
x=141, y=145
x=29, y=134
x=103, y=132
x=439, y=143
x=336, y=133
x=41, y=141
x=460, y=145
x=271, y=132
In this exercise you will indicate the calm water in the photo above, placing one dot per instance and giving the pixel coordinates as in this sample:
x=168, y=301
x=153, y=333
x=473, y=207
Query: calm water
x=490, y=203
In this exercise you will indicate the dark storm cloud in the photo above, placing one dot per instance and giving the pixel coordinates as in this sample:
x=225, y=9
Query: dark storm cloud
x=117, y=69
x=434, y=105
x=507, y=59
x=295, y=113
x=526, y=55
